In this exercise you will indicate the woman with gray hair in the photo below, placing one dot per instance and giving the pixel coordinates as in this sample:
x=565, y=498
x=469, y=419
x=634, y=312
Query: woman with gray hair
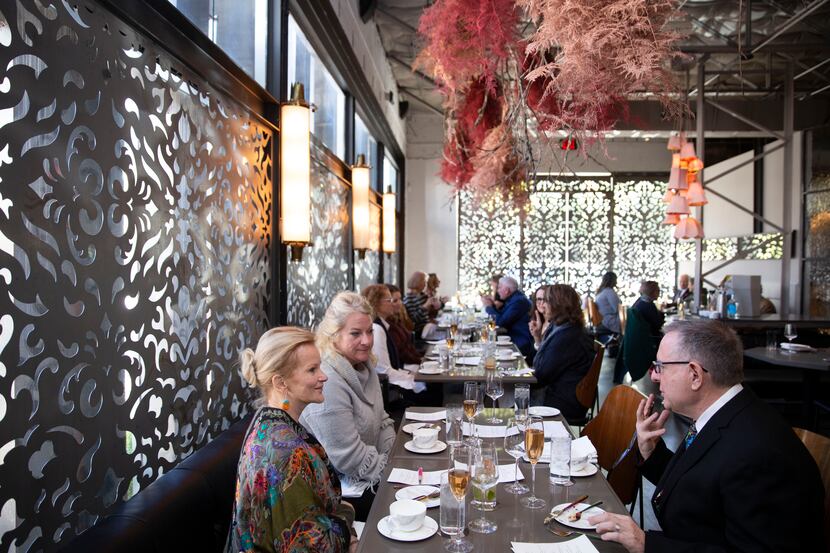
x=351, y=423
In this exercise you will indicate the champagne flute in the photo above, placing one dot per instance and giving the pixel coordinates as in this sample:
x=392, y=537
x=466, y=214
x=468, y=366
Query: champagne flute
x=534, y=444
x=471, y=400
x=514, y=442
x=452, y=517
x=491, y=323
x=484, y=475
x=494, y=389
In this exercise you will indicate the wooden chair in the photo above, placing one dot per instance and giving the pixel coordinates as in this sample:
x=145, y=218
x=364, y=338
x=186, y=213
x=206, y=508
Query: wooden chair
x=623, y=318
x=819, y=448
x=611, y=432
x=587, y=391
x=593, y=313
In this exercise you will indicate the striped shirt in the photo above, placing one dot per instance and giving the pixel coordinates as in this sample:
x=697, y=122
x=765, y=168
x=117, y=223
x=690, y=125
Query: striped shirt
x=414, y=304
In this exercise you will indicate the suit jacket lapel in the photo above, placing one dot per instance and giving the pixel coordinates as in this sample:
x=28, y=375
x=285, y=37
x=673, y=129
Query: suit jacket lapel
x=683, y=461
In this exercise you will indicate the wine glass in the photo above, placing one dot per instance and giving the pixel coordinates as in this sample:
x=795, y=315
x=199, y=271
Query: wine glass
x=494, y=389
x=534, y=444
x=458, y=479
x=454, y=430
x=484, y=473
x=472, y=396
x=790, y=332
x=514, y=445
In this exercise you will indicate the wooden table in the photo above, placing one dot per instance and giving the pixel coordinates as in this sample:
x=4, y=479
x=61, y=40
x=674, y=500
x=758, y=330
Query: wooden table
x=515, y=522
x=811, y=364
x=465, y=373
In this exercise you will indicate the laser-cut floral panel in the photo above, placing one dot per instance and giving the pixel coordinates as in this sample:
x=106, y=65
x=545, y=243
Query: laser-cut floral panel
x=135, y=231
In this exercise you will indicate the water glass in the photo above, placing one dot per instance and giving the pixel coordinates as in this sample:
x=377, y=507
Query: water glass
x=444, y=357
x=514, y=445
x=521, y=396
x=772, y=340
x=484, y=475
x=452, y=518
x=560, y=460
x=494, y=388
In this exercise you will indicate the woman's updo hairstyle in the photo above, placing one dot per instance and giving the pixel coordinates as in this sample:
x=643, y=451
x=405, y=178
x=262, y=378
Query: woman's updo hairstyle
x=343, y=305
x=276, y=354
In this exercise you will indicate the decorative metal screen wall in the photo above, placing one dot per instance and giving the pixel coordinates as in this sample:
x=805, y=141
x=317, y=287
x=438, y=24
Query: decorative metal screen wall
x=325, y=268
x=390, y=269
x=574, y=231
x=135, y=226
x=367, y=270
x=756, y=246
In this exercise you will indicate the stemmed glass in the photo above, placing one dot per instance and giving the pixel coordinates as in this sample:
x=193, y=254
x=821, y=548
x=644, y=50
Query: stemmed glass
x=494, y=389
x=472, y=399
x=485, y=475
x=514, y=443
x=534, y=444
x=454, y=430
x=790, y=332
x=458, y=479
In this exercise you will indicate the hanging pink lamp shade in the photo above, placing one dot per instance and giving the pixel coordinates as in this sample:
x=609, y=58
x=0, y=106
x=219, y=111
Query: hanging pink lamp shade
x=668, y=196
x=675, y=160
x=671, y=219
x=687, y=152
x=695, y=196
x=674, y=143
x=677, y=179
x=678, y=206
x=688, y=229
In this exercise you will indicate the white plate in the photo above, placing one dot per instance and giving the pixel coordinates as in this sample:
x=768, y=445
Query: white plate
x=796, y=347
x=437, y=447
x=430, y=370
x=543, y=411
x=588, y=470
x=411, y=492
x=411, y=427
x=582, y=523
x=427, y=530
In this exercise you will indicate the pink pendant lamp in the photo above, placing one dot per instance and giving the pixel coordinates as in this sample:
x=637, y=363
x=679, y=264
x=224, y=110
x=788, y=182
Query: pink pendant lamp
x=678, y=206
x=695, y=196
x=677, y=179
x=687, y=152
x=688, y=229
x=671, y=219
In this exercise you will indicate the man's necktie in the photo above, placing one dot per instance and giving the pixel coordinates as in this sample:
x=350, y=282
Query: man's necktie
x=690, y=435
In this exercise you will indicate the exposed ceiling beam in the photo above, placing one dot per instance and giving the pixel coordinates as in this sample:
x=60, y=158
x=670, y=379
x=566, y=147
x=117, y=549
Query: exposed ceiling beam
x=794, y=20
x=409, y=92
x=402, y=63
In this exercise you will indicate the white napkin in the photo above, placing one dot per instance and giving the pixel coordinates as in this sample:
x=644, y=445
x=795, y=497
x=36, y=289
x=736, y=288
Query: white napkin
x=358, y=528
x=579, y=545
x=488, y=431
x=468, y=360
x=353, y=488
x=410, y=477
x=582, y=448
x=426, y=417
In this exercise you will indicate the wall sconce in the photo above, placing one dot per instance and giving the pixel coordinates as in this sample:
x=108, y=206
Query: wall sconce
x=295, y=172
x=360, y=205
x=389, y=205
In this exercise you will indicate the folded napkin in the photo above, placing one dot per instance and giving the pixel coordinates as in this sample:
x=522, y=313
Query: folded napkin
x=437, y=342
x=488, y=431
x=791, y=346
x=410, y=477
x=578, y=545
x=468, y=361
x=582, y=448
x=353, y=488
x=426, y=417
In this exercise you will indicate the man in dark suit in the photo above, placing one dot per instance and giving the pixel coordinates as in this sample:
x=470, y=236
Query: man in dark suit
x=741, y=480
x=513, y=316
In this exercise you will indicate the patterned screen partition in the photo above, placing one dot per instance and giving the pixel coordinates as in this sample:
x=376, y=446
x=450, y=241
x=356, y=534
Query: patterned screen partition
x=573, y=231
x=325, y=268
x=367, y=270
x=135, y=230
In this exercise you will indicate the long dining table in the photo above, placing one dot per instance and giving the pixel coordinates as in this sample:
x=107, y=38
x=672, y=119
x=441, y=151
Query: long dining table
x=514, y=370
x=516, y=523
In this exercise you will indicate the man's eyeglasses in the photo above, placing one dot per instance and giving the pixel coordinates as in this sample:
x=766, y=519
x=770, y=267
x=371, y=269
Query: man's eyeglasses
x=658, y=366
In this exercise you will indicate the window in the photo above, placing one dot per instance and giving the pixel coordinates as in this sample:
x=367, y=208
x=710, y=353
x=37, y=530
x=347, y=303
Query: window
x=304, y=66
x=239, y=27
x=390, y=175
x=365, y=143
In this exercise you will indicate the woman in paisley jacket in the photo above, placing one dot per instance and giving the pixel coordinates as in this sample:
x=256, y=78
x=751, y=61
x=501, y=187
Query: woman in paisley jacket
x=287, y=493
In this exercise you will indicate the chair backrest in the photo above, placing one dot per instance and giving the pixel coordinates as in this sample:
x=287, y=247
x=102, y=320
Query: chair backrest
x=819, y=448
x=611, y=432
x=586, y=390
x=593, y=312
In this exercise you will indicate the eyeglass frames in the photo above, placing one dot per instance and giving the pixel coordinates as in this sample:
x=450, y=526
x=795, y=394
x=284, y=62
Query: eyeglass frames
x=658, y=366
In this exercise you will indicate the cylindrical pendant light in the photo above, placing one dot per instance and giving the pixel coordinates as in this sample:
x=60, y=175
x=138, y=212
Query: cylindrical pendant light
x=389, y=205
x=295, y=172
x=360, y=205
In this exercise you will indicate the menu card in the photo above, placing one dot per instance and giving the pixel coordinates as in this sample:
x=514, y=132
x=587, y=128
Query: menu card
x=486, y=431
x=579, y=545
x=410, y=477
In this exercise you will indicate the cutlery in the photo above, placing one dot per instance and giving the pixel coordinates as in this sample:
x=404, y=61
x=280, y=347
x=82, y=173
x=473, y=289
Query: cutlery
x=427, y=497
x=553, y=514
x=566, y=533
x=578, y=514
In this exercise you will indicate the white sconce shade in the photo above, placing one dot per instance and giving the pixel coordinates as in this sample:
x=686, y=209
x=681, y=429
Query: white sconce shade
x=389, y=204
x=360, y=205
x=295, y=172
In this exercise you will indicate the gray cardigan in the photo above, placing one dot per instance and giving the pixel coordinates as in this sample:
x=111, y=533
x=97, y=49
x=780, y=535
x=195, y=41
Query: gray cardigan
x=351, y=423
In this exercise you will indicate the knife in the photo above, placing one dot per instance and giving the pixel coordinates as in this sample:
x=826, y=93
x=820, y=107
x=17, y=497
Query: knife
x=551, y=516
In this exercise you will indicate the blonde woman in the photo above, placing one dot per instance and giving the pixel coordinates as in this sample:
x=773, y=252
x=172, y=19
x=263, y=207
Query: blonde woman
x=351, y=423
x=287, y=493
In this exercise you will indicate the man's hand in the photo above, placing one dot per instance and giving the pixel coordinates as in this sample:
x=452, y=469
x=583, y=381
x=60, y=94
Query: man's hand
x=486, y=300
x=650, y=426
x=621, y=529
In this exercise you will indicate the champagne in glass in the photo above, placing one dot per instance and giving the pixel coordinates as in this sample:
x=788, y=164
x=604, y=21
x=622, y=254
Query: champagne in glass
x=471, y=400
x=451, y=342
x=458, y=479
x=534, y=444
x=452, y=518
x=492, y=323
x=514, y=441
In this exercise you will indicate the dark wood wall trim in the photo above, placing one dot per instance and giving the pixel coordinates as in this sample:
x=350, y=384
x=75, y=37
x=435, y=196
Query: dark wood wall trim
x=333, y=45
